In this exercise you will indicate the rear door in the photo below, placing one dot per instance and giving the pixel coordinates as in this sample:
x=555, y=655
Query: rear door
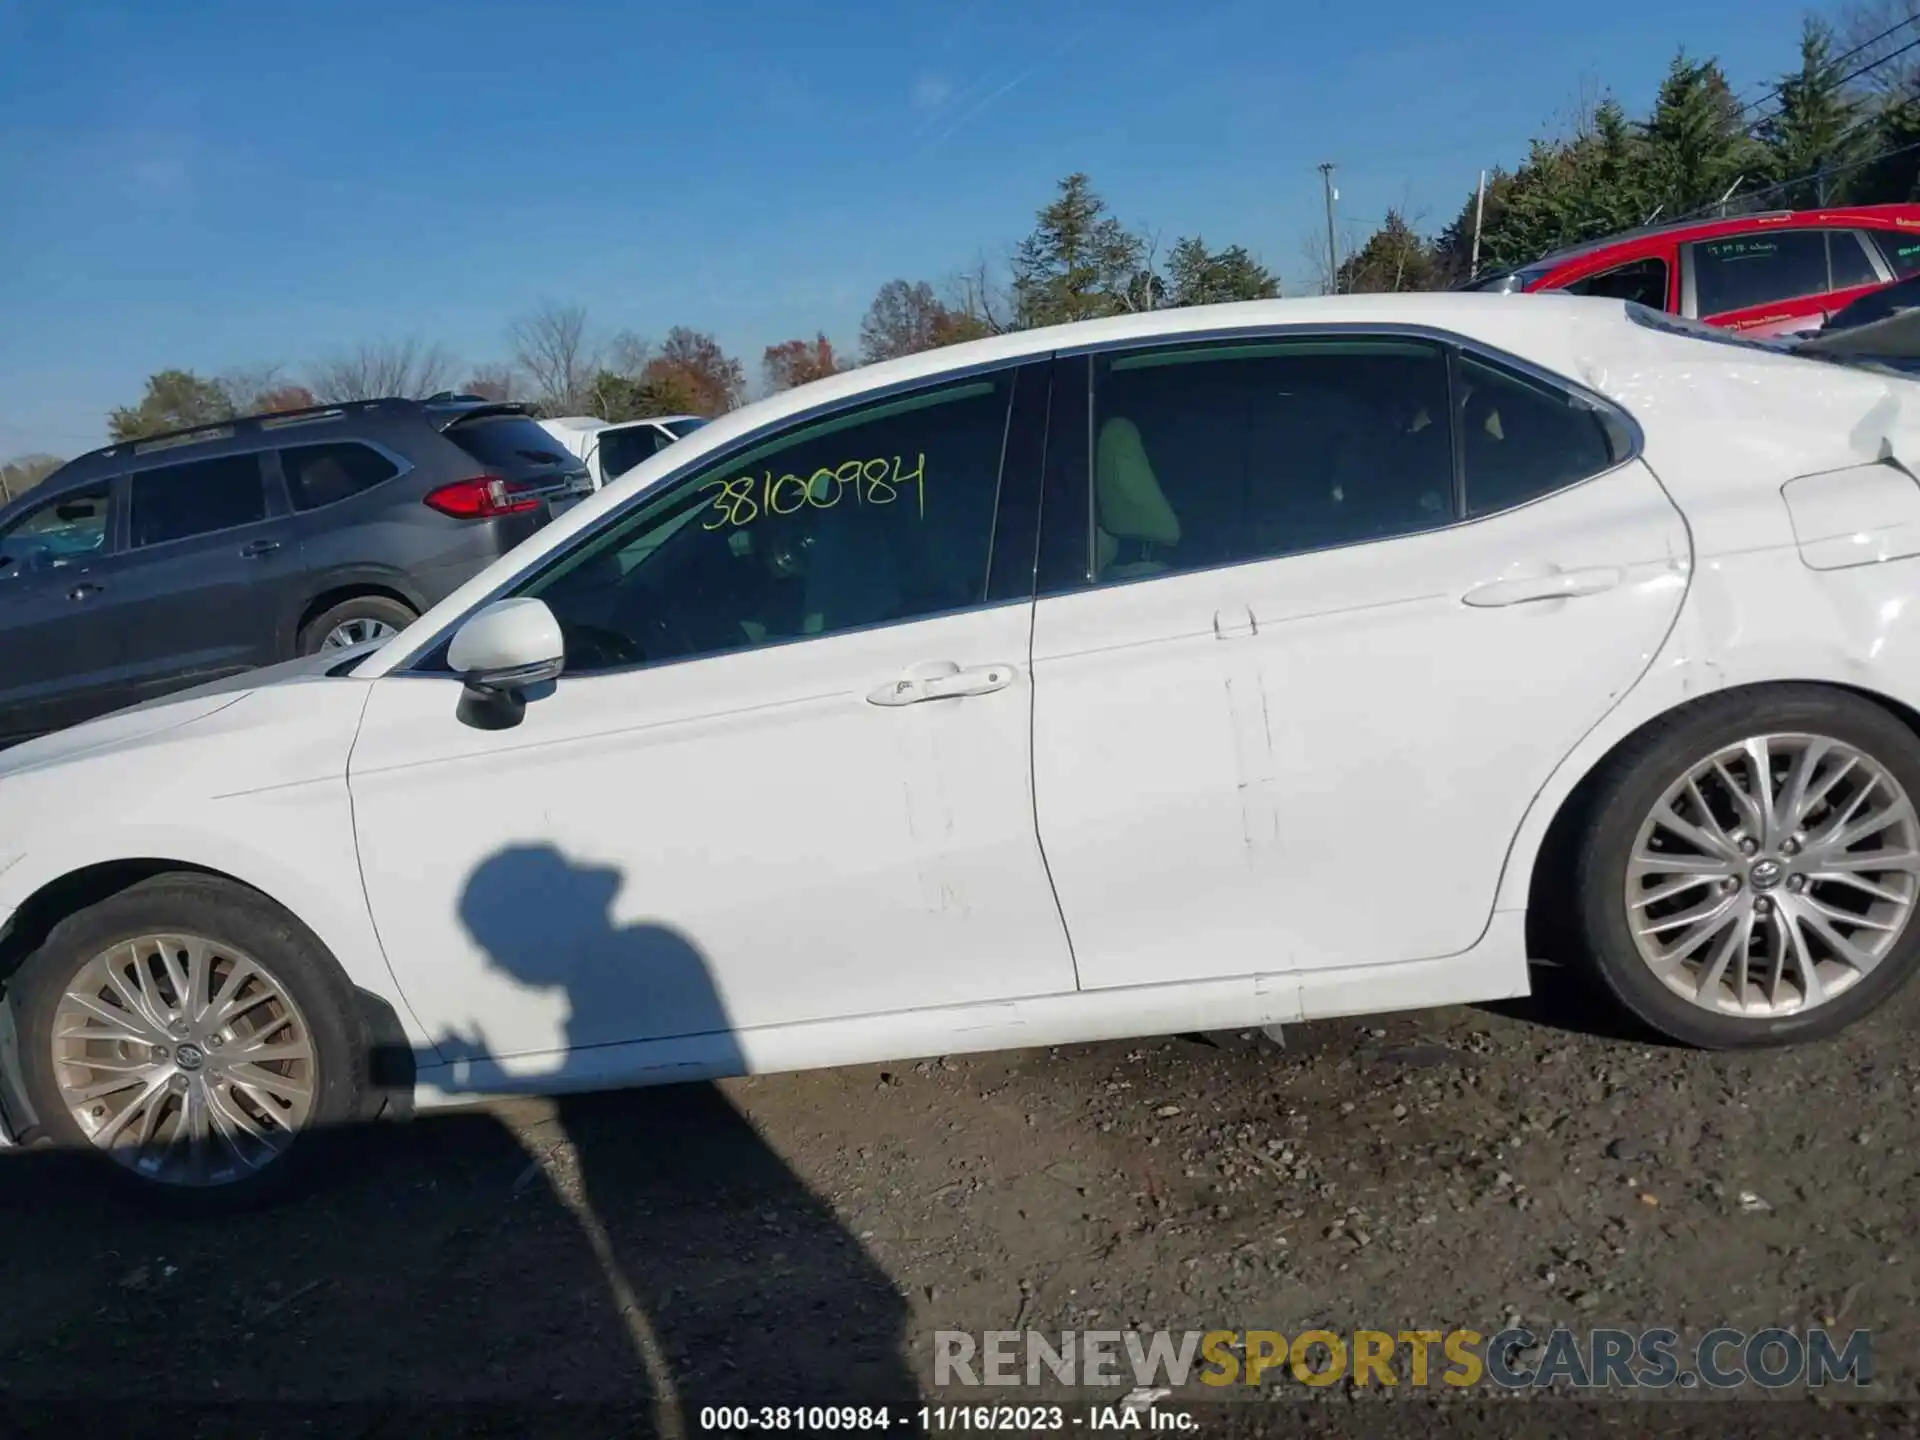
x=56, y=652
x=211, y=566
x=1327, y=647
x=1775, y=281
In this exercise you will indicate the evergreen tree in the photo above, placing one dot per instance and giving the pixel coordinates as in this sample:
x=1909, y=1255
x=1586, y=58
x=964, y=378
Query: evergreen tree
x=1696, y=139
x=1080, y=262
x=1816, y=130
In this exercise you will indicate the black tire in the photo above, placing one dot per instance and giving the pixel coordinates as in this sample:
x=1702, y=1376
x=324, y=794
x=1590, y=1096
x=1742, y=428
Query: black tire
x=1635, y=780
x=223, y=911
x=381, y=609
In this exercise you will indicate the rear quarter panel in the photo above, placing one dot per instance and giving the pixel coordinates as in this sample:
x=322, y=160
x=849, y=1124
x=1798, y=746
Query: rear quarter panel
x=1726, y=430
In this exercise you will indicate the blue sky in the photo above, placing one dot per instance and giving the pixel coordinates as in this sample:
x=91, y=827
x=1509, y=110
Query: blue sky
x=219, y=183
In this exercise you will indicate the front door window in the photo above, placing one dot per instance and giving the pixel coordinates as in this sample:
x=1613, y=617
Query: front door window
x=871, y=517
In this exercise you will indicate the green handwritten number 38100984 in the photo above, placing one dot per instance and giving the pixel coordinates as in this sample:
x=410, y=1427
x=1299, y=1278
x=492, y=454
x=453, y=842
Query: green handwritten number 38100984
x=746, y=498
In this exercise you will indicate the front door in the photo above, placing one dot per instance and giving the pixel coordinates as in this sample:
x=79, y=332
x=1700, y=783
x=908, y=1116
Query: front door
x=56, y=654
x=1321, y=669
x=786, y=776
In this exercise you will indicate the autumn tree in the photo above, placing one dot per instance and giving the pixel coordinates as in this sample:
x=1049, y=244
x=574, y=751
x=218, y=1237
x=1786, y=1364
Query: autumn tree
x=799, y=362
x=908, y=317
x=23, y=472
x=1199, y=276
x=374, y=371
x=1078, y=263
x=691, y=374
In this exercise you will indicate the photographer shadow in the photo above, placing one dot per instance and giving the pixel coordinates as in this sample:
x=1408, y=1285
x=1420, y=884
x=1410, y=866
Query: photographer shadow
x=737, y=1284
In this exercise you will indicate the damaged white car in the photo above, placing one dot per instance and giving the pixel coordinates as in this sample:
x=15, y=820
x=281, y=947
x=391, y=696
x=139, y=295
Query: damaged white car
x=1199, y=669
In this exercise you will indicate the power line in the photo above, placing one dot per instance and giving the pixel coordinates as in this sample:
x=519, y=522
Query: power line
x=1864, y=45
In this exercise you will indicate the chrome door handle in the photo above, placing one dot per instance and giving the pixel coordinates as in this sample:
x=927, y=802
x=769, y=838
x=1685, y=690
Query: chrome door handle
x=1555, y=585
x=84, y=589
x=942, y=680
x=255, y=549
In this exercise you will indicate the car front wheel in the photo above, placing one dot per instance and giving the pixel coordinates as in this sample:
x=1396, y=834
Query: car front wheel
x=191, y=1034
x=1752, y=869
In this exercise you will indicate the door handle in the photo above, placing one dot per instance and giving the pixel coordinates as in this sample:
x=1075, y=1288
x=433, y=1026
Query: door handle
x=84, y=589
x=254, y=549
x=1554, y=585
x=942, y=680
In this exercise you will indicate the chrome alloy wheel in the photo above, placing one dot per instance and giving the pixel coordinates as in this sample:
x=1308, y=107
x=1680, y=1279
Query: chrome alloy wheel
x=184, y=1059
x=1774, y=875
x=349, y=633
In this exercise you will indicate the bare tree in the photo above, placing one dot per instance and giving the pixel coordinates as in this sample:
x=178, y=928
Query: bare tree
x=493, y=381
x=382, y=368
x=980, y=295
x=551, y=344
x=1864, y=21
x=628, y=353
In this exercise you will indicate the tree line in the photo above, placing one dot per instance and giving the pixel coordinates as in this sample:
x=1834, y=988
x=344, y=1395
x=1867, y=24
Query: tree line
x=1841, y=126
x=1078, y=262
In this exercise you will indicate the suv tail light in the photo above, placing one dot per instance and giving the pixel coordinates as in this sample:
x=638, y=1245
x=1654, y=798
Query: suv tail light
x=484, y=497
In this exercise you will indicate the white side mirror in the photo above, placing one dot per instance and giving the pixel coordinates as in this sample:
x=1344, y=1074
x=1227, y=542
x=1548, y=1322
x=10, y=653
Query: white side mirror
x=500, y=652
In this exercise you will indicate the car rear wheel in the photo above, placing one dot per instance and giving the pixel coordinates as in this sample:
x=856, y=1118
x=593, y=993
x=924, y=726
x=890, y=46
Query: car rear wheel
x=1752, y=870
x=353, y=622
x=192, y=1035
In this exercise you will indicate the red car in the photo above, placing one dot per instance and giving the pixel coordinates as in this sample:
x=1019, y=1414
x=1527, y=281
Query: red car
x=1768, y=274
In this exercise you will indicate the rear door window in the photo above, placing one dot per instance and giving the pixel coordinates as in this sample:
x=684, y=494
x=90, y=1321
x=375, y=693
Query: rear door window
x=1902, y=249
x=514, y=445
x=175, y=502
x=1521, y=439
x=322, y=474
x=1743, y=271
x=621, y=450
x=1644, y=282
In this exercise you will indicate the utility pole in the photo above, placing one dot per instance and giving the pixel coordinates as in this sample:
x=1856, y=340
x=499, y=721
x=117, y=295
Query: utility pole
x=1333, y=246
x=1479, y=212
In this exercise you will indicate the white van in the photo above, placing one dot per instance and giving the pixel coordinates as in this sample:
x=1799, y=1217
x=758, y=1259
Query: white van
x=611, y=450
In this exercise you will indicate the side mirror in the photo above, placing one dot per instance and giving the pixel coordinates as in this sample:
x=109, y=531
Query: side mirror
x=501, y=652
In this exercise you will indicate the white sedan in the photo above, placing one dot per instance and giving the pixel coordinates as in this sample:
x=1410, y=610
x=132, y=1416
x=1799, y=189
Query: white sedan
x=1200, y=669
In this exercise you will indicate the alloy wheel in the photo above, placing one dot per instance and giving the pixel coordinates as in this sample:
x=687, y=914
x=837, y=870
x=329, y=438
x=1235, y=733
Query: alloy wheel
x=184, y=1059
x=349, y=633
x=1774, y=875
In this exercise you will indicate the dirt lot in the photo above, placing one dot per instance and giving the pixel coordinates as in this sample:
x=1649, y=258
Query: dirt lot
x=802, y=1237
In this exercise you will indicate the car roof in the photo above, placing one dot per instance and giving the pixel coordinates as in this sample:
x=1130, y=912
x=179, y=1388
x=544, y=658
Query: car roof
x=441, y=411
x=1549, y=328
x=648, y=420
x=1710, y=227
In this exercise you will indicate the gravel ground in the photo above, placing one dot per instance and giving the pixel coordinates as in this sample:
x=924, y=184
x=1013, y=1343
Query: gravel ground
x=802, y=1237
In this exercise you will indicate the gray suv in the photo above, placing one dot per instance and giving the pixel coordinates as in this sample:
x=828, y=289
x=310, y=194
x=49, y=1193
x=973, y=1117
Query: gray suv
x=160, y=563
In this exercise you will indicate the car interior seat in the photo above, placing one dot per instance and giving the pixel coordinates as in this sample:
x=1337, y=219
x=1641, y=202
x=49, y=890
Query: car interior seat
x=1131, y=515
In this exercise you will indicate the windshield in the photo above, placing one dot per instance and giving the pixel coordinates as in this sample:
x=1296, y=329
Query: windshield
x=680, y=429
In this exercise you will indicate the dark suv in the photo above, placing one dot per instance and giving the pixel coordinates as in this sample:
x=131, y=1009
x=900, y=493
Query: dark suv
x=160, y=563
